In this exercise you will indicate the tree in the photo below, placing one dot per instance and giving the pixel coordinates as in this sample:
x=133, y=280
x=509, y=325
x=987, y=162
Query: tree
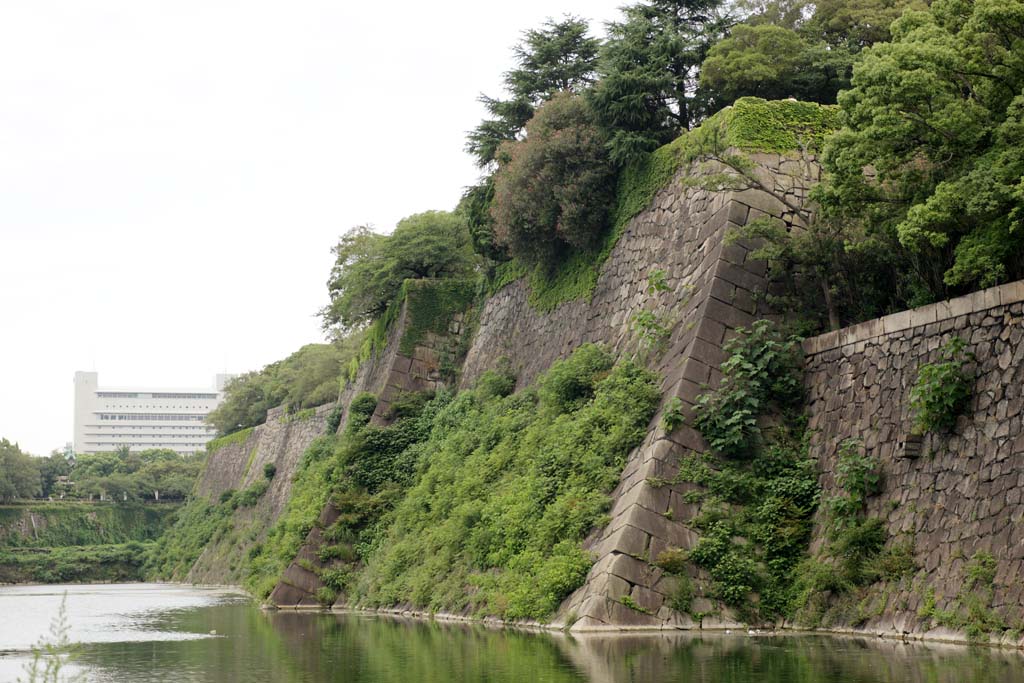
x=138, y=475
x=19, y=473
x=557, y=188
x=370, y=268
x=773, y=63
x=937, y=118
x=475, y=206
x=558, y=57
x=50, y=468
x=857, y=24
x=649, y=70
x=785, y=13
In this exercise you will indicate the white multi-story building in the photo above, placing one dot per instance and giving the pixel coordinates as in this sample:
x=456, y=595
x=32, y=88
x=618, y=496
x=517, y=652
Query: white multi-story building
x=107, y=419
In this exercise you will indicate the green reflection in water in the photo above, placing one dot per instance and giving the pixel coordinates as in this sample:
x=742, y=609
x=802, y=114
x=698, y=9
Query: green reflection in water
x=292, y=647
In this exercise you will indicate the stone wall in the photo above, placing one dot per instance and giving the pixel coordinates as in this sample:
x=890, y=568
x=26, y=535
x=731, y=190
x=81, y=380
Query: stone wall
x=281, y=441
x=417, y=371
x=714, y=287
x=964, y=493
x=387, y=376
x=712, y=284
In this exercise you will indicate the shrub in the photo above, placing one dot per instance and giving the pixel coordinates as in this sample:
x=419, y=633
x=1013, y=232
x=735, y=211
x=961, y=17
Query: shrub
x=269, y=470
x=762, y=368
x=409, y=403
x=360, y=410
x=496, y=383
x=942, y=390
x=555, y=189
x=570, y=382
x=672, y=418
x=494, y=519
x=334, y=419
x=371, y=268
x=858, y=478
x=326, y=596
x=673, y=561
x=251, y=495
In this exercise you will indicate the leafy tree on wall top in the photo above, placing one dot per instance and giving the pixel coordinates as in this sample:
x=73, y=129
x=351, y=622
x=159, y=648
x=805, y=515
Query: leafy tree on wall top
x=857, y=24
x=936, y=116
x=309, y=377
x=774, y=63
x=370, y=268
x=558, y=57
x=649, y=69
x=556, y=190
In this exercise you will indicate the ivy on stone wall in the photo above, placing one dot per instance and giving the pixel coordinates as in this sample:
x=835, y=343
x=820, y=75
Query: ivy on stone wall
x=759, y=488
x=752, y=124
x=431, y=305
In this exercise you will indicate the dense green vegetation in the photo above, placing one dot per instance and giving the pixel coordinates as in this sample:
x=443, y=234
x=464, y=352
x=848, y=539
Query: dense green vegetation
x=370, y=268
x=195, y=525
x=478, y=500
x=929, y=106
x=81, y=524
x=936, y=114
x=79, y=564
x=19, y=473
x=125, y=475
x=942, y=390
x=76, y=541
x=759, y=487
x=312, y=376
x=511, y=486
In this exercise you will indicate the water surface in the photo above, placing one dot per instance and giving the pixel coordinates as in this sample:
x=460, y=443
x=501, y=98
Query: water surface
x=153, y=632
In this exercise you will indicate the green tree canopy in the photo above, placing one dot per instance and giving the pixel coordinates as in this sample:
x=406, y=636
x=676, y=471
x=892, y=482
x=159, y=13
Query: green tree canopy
x=19, y=473
x=774, y=63
x=558, y=57
x=56, y=465
x=936, y=117
x=136, y=475
x=649, y=70
x=557, y=188
x=370, y=268
x=857, y=24
x=309, y=377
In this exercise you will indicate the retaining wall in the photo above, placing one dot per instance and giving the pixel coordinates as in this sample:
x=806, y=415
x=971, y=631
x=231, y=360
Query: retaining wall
x=965, y=492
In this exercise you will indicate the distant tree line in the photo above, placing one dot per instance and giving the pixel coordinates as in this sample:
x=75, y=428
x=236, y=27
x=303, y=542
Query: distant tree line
x=120, y=475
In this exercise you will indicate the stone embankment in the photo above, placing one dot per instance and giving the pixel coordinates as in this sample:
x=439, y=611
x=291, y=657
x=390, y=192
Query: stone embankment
x=961, y=497
x=960, y=492
x=280, y=441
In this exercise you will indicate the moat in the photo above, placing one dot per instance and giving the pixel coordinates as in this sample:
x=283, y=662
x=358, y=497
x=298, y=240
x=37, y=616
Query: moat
x=162, y=632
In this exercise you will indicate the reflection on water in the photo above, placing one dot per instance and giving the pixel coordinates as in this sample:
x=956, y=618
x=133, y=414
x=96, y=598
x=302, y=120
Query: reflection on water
x=154, y=633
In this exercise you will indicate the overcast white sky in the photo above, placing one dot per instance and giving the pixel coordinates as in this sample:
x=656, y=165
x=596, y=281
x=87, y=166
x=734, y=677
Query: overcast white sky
x=174, y=173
